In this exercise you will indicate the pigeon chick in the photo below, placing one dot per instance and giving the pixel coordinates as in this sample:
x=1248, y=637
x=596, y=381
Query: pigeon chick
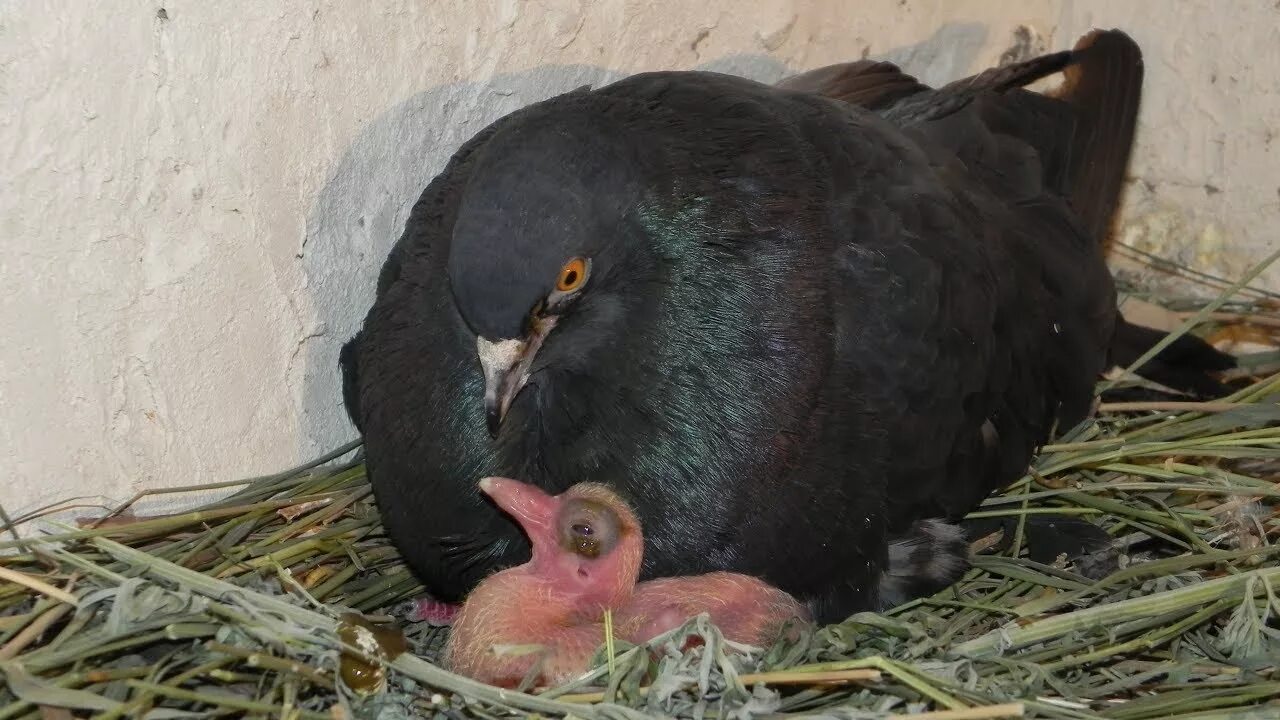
x=746, y=609
x=544, y=620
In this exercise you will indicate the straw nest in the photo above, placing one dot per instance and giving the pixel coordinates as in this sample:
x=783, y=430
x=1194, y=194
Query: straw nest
x=280, y=600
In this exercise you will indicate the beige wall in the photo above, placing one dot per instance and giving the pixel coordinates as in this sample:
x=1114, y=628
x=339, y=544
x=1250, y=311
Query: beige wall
x=195, y=201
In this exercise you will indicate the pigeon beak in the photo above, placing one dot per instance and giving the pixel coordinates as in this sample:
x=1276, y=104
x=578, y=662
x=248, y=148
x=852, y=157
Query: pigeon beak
x=499, y=361
x=534, y=509
x=506, y=365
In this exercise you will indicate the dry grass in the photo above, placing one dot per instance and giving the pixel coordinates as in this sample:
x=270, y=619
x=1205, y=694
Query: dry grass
x=242, y=607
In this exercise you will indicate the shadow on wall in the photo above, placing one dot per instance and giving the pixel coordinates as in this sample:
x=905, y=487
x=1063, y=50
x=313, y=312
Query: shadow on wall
x=362, y=209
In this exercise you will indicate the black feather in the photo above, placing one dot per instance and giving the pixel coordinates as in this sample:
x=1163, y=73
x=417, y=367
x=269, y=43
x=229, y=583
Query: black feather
x=809, y=324
x=348, y=359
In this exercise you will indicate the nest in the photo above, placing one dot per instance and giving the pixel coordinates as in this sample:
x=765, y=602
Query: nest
x=282, y=599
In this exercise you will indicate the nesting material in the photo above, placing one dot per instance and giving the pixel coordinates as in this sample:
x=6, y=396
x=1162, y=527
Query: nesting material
x=280, y=601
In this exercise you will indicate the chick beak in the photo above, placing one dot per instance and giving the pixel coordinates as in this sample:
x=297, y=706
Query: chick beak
x=534, y=509
x=506, y=365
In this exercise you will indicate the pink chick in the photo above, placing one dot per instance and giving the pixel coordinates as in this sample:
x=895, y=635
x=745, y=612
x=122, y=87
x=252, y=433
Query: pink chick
x=546, y=617
x=746, y=609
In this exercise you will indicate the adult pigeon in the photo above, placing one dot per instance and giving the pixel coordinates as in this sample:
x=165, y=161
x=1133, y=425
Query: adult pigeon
x=799, y=328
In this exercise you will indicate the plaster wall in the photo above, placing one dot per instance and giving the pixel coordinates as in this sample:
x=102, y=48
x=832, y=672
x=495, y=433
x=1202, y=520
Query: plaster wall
x=195, y=197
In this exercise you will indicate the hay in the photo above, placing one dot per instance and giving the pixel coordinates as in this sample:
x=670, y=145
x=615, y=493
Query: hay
x=244, y=606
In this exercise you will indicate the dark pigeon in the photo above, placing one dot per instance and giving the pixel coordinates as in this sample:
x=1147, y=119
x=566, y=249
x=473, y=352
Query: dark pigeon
x=802, y=329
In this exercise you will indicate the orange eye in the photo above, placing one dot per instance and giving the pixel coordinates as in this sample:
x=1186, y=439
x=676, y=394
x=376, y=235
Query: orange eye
x=572, y=275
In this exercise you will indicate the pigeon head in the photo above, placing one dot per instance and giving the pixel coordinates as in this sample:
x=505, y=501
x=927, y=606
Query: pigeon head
x=586, y=541
x=538, y=241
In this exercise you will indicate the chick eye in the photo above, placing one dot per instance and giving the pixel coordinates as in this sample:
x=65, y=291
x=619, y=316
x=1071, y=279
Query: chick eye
x=586, y=546
x=572, y=275
x=583, y=540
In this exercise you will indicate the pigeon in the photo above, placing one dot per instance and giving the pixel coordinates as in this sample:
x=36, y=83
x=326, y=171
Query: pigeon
x=801, y=329
x=544, y=620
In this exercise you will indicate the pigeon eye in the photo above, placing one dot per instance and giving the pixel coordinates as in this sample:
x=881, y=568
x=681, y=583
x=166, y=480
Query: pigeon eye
x=572, y=275
x=583, y=529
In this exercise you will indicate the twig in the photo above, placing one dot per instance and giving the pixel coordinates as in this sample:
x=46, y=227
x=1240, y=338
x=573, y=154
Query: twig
x=38, y=585
x=13, y=529
x=263, y=659
x=37, y=628
x=332, y=455
x=1197, y=318
x=609, y=642
x=1170, y=406
x=1107, y=615
x=1253, y=318
x=779, y=677
x=986, y=712
x=218, y=699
